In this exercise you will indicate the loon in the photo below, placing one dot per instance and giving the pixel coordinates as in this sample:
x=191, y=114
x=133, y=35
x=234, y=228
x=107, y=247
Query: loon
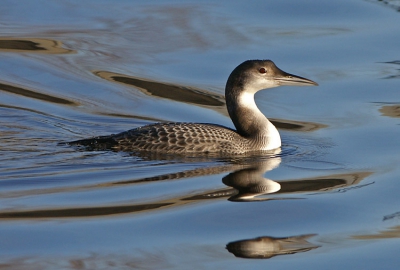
x=254, y=132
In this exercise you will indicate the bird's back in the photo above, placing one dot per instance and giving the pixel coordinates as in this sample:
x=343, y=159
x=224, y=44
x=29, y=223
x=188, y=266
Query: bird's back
x=172, y=138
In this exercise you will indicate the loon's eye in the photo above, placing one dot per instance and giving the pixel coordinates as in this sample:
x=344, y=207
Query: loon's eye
x=262, y=70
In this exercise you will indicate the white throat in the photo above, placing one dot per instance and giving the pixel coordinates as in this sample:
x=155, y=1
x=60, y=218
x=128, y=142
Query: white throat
x=268, y=132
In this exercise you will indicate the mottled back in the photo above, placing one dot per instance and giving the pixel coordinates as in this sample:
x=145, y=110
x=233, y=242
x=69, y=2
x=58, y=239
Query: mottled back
x=167, y=138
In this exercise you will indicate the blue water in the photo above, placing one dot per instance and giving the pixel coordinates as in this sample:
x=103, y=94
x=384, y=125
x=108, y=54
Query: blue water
x=71, y=70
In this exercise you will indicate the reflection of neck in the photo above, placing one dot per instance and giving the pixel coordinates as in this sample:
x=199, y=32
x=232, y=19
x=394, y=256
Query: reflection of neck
x=250, y=181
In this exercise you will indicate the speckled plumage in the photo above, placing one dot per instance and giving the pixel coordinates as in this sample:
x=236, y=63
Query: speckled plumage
x=173, y=138
x=254, y=132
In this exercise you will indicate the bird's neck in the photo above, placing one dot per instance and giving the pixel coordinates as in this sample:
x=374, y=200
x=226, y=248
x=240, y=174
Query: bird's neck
x=249, y=121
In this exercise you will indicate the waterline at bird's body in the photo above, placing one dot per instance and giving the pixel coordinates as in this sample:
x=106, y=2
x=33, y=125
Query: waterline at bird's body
x=254, y=132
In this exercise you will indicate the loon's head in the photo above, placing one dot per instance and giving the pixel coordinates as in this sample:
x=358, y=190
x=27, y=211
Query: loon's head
x=254, y=75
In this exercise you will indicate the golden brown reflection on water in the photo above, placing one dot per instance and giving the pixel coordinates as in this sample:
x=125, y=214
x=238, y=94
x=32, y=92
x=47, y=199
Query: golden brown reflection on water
x=390, y=110
x=32, y=45
x=392, y=232
x=35, y=94
x=164, y=90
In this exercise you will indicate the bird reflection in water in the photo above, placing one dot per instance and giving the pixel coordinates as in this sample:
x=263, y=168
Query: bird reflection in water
x=266, y=247
x=250, y=182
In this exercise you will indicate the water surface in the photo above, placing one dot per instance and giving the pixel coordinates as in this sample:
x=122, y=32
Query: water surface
x=70, y=71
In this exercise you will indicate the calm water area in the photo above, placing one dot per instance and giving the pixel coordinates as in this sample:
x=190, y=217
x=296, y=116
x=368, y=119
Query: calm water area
x=75, y=69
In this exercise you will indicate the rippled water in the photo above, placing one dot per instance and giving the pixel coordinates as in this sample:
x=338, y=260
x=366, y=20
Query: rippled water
x=70, y=70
